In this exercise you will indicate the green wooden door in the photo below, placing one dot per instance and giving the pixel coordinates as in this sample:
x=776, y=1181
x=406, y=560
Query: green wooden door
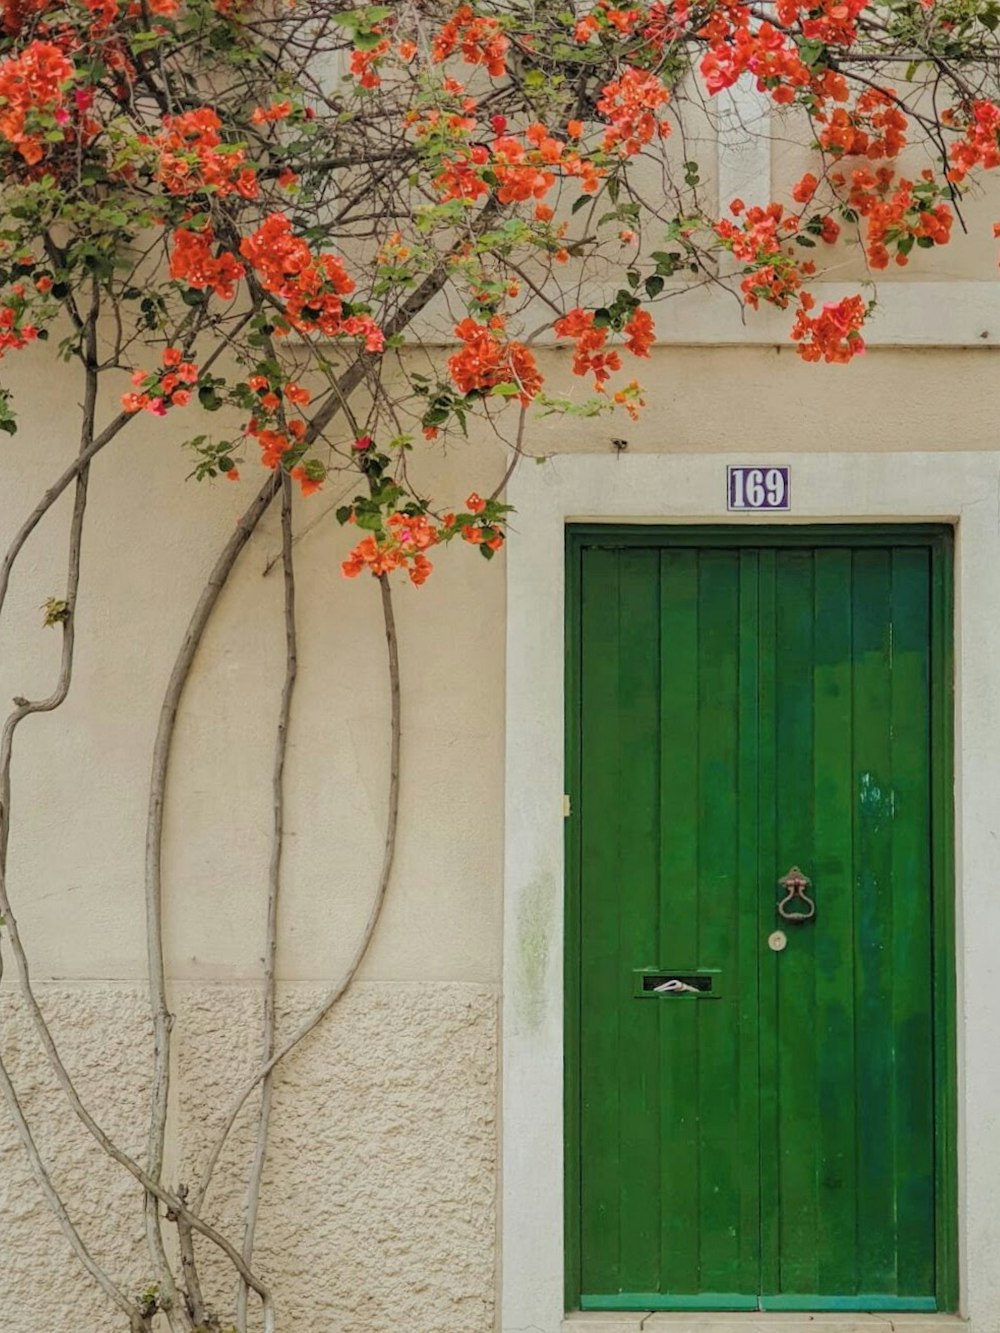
x=771, y=1128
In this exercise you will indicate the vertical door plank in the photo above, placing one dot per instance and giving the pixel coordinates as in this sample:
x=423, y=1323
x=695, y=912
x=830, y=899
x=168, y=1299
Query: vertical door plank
x=943, y=927
x=798, y=1120
x=721, y=1143
x=600, y=876
x=832, y=870
x=767, y=860
x=637, y=893
x=874, y=1075
x=680, y=1076
x=912, y=1008
x=746, y=979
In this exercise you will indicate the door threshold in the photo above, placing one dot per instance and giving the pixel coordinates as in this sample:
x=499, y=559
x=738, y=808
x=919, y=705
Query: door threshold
x=760, y=1321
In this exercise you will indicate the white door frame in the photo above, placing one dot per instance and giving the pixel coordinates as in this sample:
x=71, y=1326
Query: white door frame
x=960, y=488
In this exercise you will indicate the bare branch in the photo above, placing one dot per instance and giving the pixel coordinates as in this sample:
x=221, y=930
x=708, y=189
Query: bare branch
x=255, y=1181
x=313, y=1020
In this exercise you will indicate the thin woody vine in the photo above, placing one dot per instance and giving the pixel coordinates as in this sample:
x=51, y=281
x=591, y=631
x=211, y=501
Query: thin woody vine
x=221, y=211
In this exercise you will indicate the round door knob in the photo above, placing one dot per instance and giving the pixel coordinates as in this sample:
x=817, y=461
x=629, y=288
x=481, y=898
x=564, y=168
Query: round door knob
x=777, y=940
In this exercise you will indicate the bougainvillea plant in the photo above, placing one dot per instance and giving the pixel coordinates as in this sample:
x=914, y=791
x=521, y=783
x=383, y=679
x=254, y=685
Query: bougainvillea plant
x=250, y=201
x=243, y=212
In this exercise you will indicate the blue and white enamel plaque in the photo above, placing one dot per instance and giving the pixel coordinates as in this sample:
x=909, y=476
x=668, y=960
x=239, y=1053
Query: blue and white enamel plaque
x=755, y=488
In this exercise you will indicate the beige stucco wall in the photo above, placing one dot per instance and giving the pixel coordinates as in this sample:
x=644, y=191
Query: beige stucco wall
x=379, y=1207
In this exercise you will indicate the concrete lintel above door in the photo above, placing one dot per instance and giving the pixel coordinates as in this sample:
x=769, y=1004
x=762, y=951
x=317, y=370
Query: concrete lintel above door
x=761, y=1322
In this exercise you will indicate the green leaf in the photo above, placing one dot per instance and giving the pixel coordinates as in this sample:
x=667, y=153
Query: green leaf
x=812, y=52
x=367, y=41
x=654, y=285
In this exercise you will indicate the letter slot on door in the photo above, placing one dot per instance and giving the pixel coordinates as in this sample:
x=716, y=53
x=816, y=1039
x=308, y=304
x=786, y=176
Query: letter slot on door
x=681, y=983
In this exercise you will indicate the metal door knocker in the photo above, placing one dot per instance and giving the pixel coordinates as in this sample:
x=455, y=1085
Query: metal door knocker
x=795, y=885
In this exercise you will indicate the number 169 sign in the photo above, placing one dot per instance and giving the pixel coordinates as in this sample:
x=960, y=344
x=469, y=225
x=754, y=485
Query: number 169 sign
x=757, y=488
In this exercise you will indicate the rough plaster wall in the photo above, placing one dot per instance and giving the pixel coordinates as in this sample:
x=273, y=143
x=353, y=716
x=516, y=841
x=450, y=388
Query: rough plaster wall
x=104, y=1034
x=378, y=1209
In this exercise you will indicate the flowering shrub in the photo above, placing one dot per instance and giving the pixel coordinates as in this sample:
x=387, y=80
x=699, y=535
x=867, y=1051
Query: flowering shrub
x=230, y=195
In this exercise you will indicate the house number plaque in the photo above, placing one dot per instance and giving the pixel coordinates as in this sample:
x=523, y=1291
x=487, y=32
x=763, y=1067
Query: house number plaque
x=752, y=488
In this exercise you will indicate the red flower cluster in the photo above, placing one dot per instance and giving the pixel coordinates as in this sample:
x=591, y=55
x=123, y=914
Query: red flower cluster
x=764, y=52
x=462, y=175
x=193, y=260
x=591, y=356
x=480, y=40
x=640, y=333
x=17, y=14
x=14, y=332
x=191, y=160
x=630, y=103
x=980, y=143
x=524, y=173
x=874, y=127
x=488, y=359
x=756, y=242
x=834, y=334
x=603, y=16
x=311, y=286
x=832, y=22
x=403, y=547
x=266, y=115
x=165, y=388
x=475, y=530
x=32, y=82
x=364, y=64
x=894, y=213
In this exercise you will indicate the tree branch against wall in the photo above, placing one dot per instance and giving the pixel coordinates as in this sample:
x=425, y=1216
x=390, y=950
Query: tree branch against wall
x=248, y=214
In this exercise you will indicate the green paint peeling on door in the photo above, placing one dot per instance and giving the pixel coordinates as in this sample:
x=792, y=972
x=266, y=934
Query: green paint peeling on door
x=742, y=703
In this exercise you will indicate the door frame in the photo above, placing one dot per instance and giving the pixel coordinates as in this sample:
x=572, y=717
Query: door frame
x=938, y=540
x=956, y=487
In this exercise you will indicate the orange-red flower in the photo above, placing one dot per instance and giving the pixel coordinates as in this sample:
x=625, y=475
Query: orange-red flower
x=480, y=40
x=401, y=547
x=194, y=261
x=193, y=158
x=488, y=359
x=31, y=82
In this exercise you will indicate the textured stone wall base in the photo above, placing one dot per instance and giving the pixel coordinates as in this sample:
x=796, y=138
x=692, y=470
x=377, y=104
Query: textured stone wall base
x=378, y=1210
